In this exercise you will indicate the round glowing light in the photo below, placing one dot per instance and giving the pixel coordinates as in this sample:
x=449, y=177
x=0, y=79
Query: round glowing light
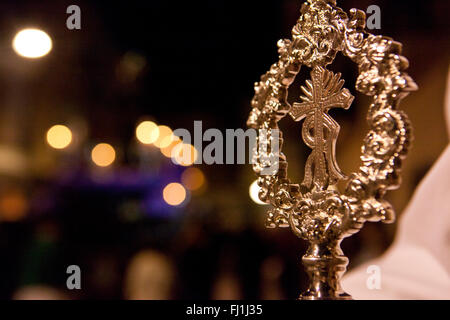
x=253, y=191
x=103, y=154
x=59, y=136
x=32, y=43
x=193, y=179
x=174, y=194
x=13, y=206
x=167, y=151
x=166, y=141
x=147, y=132
x=165, y=138
x=184, y=154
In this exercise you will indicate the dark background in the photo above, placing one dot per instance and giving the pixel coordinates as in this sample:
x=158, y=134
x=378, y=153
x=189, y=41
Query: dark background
x=201, y=59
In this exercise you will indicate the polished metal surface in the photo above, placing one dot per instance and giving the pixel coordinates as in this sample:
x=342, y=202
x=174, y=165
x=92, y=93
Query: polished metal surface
x=316, y=211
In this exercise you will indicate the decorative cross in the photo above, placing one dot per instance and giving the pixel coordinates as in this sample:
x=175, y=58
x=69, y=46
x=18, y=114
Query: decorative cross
x=318, y=213
x=323, y=92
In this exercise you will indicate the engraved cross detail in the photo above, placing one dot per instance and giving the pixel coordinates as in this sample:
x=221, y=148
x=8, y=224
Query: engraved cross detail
x=323, y=92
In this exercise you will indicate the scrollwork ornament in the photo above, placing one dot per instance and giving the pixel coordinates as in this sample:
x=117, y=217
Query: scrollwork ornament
x=321, y=214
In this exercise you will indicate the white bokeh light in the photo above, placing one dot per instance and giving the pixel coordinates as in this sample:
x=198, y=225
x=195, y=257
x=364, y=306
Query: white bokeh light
x=253, y=191
x=32, y=43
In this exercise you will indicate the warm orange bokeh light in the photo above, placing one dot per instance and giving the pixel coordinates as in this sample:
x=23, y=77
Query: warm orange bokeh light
x=167, y=151
x=193, y=179
x=13, y=206
x=184, y=154
x=147, y=132
x=103, y=154
x=165, y=137
x=174, y=194
x=59, y=136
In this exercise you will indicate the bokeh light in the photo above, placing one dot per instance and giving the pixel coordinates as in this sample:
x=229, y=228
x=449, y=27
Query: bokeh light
x=254, y=191
x=103, y=154
x=32, y=43
x=165, y=137
x=147, y=132
x=184, y=154
x=59, y=136
x=167, y=151
x=174, y=194
x=193, y=178
x=13, y=206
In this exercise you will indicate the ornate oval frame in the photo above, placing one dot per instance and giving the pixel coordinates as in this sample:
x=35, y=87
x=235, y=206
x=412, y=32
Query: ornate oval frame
x=322, y=215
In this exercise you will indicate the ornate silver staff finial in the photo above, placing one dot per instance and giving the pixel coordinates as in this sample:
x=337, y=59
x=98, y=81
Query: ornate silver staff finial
x=321, y=215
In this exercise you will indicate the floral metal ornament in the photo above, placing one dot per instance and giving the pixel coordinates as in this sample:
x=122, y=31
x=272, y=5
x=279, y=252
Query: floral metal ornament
x=318, y=212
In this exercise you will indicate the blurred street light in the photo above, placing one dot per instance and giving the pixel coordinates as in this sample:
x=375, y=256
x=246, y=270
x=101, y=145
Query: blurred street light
x=193, y=178
x=167, y=151
x=165, y=137
x=254, y=191
x=184, y=154
x=32, y=43
x=147, y=132
x=103, y=154
x=13, y=206
x=174, y=194
x=59, y=136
